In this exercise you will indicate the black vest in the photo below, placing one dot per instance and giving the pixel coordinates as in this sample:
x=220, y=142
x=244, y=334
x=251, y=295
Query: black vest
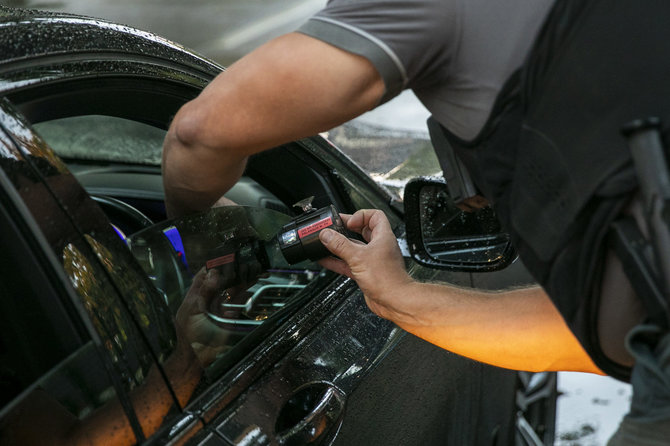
x=552, y=158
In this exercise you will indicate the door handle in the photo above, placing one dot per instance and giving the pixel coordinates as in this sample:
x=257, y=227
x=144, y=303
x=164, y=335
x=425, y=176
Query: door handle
x=313, y=413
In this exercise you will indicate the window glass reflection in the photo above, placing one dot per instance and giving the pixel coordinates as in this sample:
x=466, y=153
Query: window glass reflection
x=221, y=272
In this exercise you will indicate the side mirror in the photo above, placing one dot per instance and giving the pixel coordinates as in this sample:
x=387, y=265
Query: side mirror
x=441, y=235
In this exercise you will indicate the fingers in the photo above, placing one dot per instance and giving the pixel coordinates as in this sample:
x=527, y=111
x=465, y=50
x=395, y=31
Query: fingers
x=336, y=265
x=370, y=223
x=337, y=243
x=209, y=290
x=363, y=218
x=378, y=266
x=198, y=279
x=356, y=224
x=345, y=218
x=197, y=295
x=211, y=280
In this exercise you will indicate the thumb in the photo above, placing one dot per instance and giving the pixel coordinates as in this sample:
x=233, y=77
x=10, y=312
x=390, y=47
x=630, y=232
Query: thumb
x=336, y=243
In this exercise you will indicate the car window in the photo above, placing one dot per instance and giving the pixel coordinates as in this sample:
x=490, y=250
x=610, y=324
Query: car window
x=228, y=262
x=51, y=373
x=103, y=138
x=48, y=374
x=114, y=372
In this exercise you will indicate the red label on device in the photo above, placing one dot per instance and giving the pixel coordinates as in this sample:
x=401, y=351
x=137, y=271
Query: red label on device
x=314, y=227
x=213, y=263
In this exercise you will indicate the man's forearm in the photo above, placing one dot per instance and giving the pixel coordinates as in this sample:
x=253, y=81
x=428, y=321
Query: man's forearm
x=517, y=329
x=260, y=102
x=195, y=177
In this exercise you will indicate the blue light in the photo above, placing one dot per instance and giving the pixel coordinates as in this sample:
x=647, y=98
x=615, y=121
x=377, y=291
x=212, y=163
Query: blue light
x=173, y=236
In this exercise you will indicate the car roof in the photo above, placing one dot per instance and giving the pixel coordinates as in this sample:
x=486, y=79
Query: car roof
x=27, y=34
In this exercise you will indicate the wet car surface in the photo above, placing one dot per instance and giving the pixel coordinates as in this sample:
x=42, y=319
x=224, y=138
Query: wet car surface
x=223, y=30
x=98, y=290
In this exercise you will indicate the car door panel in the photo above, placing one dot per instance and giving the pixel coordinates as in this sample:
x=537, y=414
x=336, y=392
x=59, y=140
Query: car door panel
x=311, y=383
x=381, y=380
x=390, y=406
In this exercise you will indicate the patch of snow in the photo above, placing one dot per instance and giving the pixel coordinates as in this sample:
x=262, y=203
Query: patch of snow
x=590, y=408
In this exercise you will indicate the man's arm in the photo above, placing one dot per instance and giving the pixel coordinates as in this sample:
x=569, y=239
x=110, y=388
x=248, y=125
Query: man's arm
x=518, y=329
x=290, y=88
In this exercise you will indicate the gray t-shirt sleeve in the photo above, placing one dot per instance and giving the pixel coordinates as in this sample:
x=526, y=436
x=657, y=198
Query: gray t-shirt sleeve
x=410, y=42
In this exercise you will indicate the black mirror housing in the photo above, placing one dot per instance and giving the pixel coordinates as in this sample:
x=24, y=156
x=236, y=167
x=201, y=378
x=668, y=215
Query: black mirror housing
x=441, y=235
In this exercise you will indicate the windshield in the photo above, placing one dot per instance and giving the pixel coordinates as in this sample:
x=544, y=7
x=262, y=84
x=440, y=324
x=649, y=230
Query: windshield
x=114, y=139
x=231, y=251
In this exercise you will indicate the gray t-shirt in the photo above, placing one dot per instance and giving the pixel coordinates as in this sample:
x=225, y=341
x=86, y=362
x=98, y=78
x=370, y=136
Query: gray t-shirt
x=454, y=54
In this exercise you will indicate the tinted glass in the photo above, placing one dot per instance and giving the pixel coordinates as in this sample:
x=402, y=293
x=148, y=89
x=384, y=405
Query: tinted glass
x=222, y=273
x=35, y=333
x=90, y=254
x=52, y=377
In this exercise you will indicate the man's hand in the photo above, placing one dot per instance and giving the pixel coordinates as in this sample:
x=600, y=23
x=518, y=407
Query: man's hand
x=377, y=267
x=206, y=338
x=473, y=204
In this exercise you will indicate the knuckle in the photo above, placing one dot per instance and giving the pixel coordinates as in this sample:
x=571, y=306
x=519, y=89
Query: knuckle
x=338, y=244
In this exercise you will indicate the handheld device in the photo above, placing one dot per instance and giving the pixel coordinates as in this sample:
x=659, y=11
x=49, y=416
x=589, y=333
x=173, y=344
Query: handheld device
x=299, y=238
x=239, y=261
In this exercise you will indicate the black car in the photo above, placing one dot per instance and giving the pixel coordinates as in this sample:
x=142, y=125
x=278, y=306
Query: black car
x=119, y=326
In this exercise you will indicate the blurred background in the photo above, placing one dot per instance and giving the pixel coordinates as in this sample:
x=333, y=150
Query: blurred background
x=390, y=142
